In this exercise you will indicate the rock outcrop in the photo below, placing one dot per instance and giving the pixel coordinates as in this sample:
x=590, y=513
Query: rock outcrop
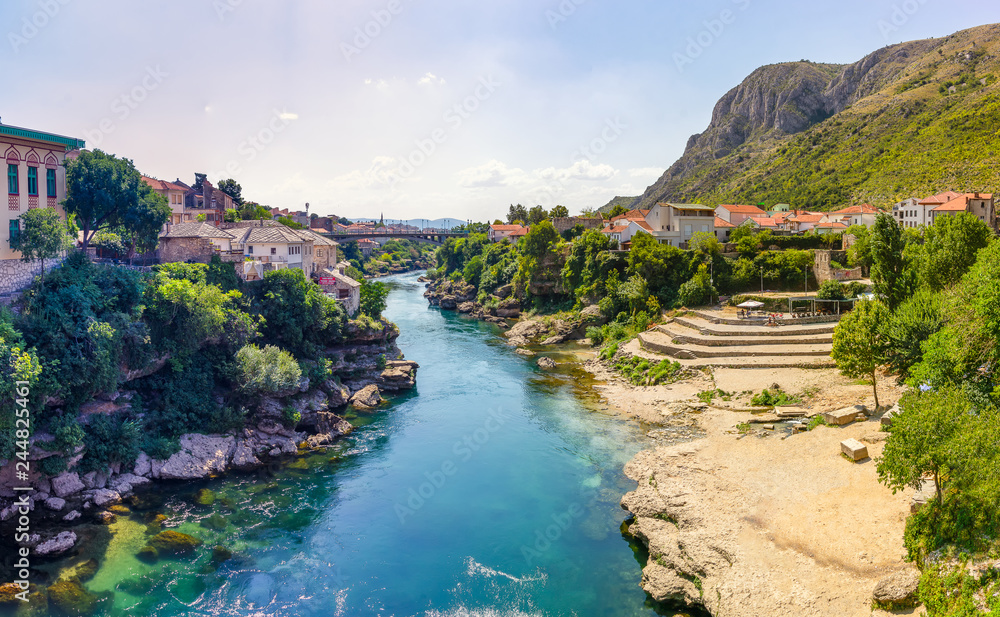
x=898, y=590
x=367, y=398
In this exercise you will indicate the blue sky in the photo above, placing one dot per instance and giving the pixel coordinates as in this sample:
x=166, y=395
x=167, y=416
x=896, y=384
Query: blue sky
x=419, y=108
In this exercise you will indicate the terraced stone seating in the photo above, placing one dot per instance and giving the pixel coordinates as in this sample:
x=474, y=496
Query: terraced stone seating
x=698, y=341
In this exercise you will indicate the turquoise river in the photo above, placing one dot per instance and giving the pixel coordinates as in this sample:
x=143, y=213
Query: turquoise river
x=492, y=490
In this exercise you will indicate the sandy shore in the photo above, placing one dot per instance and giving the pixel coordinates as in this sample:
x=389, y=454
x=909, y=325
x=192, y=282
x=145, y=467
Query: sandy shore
x=761, y=525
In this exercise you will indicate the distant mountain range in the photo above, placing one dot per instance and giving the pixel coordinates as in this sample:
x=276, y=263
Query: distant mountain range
x=445, y=223
x=908, y=120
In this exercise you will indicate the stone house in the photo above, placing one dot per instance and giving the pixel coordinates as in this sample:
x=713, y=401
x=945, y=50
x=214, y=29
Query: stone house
x=324, y=250
x=197, y=242
x=566, y=223
x=345, y=289
x=36, y=178
x=203, y=198
x=505, y=232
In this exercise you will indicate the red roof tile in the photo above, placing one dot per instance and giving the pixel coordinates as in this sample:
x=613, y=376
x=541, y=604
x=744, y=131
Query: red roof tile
x=743, y=209
x=722, y=223
x=506, y=227
x=862, y=209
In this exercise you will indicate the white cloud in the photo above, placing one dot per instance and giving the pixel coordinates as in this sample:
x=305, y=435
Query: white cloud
x=430, y=79
x=377, y=175
x=580, y=170
x=490, y=175
x=646, y=172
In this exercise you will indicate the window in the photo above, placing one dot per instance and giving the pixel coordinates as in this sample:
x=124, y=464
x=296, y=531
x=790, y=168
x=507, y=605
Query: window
x=274, y=251
x=15, y=229
x=50, y=182
x=249, y=249
x=33, y=181
x=12, y=179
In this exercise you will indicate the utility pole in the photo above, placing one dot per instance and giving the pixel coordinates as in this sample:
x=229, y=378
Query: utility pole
x=806, y=277
x=762, y=279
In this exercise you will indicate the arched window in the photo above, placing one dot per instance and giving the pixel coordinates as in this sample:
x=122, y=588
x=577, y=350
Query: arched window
x=13, y=162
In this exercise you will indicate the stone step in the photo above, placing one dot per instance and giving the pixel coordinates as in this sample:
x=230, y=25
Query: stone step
x=708, y=328
x=781, y=361
x=660, y=342
x=686, y=335
x=730, y=319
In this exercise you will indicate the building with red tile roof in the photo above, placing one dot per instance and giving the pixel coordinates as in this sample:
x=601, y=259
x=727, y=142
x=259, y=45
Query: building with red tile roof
x=498, y=233
x=979, y=205
x=737, y=213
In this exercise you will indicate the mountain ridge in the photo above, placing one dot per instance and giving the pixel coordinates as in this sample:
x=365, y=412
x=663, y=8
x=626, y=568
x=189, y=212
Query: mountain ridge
x=800, y=132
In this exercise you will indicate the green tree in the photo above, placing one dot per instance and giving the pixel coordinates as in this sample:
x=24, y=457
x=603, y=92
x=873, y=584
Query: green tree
x=831, y=290
x=859, y=255
x=939, y=434
x=374, y=296
x=890, y=278
x=100, y=189
x=231, y=216
x=705, y=242
x=559, y=212
x=617, y=210
x=233, y=189
x=664, y=268
x=536, y=215
x=950, y=248
x=297, y=316
x=859, y=345
x=517, y=214
x=265, y=371
x=915, y=321
x=44, y=236
x=743, y=230
x=698, y=291
x=141, y=224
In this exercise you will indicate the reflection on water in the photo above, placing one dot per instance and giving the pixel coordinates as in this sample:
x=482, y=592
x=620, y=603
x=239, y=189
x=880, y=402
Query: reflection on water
x=492, y=490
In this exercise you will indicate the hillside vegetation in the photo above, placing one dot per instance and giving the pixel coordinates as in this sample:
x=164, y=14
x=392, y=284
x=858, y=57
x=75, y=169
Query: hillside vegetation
x=907, y=120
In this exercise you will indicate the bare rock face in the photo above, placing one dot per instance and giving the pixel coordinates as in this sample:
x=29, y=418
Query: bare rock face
x=898, y=590
x=54, y=546
x=55, y=504
x=366, y=398
x=200, y=456
x=67, y=484
x=523, y=332
x=467, y=307
x=104, y=496
x=399, y=375
x=449, y=303
x=338, y=395
x=509, y=308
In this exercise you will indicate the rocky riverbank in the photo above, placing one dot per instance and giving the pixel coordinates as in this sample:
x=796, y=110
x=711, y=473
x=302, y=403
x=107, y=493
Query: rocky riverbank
x=746, y=522
x=367, y=365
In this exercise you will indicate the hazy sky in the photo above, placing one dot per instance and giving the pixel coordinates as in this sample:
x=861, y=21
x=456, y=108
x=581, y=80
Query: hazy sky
x=419, y=108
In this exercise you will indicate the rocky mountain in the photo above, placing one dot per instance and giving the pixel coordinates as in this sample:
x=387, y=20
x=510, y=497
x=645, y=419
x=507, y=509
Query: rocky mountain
x=908, y=119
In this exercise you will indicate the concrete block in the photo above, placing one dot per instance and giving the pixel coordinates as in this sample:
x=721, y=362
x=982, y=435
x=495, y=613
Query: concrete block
x=854, y=449
x=791, y=412
x=889, y=415
x=841, y=417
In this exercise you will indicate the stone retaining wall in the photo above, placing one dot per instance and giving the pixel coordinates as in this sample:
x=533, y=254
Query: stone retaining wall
x=15, y=274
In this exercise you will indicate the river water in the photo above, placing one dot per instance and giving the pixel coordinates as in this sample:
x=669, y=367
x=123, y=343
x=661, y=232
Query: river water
x=491, y=490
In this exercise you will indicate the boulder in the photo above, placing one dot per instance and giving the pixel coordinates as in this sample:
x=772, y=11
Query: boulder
x=8, y=593
x=173, y=543
x=104, y=496
x=200, y=456
x=399, y=375
x=592, y=314
x=504, y=291
x=449, y=303
x=467, y=307
x=72, y=516
x=338, y=394
x=54, y=546
x=127, y=482
x=526, y=329
x=527, y=353
x=898, y=590
x=555, y=340
x=66, y=484
x=244, y=456
x=366, y=398
x=888, y=417
x=546, y=363
x=143, y=465
x=72, y=598
x=55, y=504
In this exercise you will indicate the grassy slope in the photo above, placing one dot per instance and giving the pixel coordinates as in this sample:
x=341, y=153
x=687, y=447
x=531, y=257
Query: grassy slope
x=906, y=140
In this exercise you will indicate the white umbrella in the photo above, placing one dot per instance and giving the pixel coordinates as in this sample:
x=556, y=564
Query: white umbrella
x=750, y=304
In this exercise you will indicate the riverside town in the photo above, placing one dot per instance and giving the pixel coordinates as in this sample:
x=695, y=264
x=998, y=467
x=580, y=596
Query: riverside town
x=569, y=309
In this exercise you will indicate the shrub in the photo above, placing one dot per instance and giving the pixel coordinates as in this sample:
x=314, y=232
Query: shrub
x=52, y=465
x=291, y=416
x=831, y=290
x=110, y=439
x=265, y=371
x=769, y=398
